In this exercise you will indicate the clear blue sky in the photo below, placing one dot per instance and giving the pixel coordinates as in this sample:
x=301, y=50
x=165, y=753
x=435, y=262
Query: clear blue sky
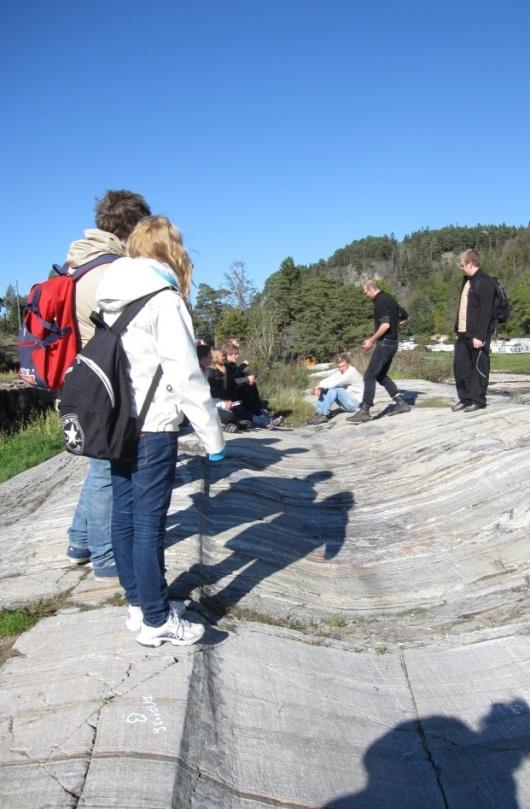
x=262, y=128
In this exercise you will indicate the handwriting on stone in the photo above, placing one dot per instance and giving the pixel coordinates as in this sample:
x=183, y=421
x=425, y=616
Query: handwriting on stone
x=153, y=712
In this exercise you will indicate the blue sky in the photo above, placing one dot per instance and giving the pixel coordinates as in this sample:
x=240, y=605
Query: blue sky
x=263, y=129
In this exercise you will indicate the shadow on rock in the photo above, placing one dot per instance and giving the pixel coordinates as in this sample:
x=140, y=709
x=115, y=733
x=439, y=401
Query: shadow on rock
x=284, y=523
x=439, y=762
x=243, y=456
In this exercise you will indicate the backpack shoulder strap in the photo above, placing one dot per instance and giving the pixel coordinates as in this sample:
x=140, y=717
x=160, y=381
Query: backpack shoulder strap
x=79, y=272
x=119, y=327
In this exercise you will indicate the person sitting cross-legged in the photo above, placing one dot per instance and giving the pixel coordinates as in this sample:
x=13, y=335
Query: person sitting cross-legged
x=341, y=388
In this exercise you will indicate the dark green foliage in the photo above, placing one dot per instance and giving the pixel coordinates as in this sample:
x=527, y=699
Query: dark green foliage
x=208, y=310
x=320, y=309
x=11, y=308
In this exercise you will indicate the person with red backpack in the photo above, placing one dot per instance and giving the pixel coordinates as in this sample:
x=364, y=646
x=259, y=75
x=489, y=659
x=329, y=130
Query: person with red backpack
x=117, y=213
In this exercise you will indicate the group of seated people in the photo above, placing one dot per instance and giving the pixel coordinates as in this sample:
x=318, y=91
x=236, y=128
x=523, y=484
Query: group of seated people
x=233, y=390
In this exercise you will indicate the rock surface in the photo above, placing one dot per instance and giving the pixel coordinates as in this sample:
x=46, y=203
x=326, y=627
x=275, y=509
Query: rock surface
x=365, y=591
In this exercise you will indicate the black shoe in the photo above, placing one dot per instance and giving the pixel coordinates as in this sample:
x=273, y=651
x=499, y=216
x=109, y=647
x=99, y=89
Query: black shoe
x=400, y=406
x=458, y=406
x=362, y=415
x=231, y=427
x=472, y=408
x=318, y=419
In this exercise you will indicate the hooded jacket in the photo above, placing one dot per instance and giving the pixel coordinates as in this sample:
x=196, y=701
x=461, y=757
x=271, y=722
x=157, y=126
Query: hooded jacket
x=162, y=333
x=96, y=243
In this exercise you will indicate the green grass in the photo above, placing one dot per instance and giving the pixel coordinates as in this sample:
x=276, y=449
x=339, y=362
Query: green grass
x=283, y=387
x=15, y=622
x=36, y=441
x=510, y=363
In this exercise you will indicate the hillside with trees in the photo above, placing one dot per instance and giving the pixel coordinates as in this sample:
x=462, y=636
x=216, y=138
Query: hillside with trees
x=317, y=309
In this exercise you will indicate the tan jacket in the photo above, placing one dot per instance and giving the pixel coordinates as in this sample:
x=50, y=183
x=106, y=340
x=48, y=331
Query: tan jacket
x=96, y=243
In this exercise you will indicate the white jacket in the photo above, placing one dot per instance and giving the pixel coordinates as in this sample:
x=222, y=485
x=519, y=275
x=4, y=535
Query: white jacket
x=162, y=333
x=351, y=379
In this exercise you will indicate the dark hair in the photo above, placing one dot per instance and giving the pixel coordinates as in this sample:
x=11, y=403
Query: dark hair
x=119, y=212
x=203, y=351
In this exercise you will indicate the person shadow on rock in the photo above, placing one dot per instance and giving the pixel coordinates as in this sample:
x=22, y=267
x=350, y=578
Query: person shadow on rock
x=440, y=762
x=285, y=523
x=244, y=457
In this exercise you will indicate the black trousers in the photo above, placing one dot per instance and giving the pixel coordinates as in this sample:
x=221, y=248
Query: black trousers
x=472, y=371
x=377, y=371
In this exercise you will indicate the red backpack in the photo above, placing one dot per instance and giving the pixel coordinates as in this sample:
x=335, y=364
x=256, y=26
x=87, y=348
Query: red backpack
x=49, y=339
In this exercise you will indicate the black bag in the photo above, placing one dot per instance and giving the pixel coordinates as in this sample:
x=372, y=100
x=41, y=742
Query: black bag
x=96, y=401
x=501, y=308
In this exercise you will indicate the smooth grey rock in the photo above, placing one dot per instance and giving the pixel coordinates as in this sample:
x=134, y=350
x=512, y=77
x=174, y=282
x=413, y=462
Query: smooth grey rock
x=387, y=564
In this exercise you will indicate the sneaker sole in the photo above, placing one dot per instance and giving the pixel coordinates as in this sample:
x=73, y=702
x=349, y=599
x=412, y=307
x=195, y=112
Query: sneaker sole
x=156, y=642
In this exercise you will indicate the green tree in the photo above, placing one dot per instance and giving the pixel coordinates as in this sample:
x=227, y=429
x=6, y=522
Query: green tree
x=11, y=307
x=233, y=322
x=209, y=308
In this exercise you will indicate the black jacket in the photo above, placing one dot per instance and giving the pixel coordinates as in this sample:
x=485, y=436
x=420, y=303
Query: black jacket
x=480, y=302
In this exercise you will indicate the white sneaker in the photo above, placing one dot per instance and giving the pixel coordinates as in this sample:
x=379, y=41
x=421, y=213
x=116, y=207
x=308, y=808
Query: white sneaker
x=135, y=615
x=176, y=631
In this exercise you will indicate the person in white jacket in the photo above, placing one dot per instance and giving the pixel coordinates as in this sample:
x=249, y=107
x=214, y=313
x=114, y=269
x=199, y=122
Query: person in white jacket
x=162, y=333
x=342, y=388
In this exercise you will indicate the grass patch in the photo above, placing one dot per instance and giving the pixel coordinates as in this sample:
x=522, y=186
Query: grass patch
x=15, y=622
x=417, y=364
x=36, y=441
x=335, y=621
x=510, y=363
x=283, y=386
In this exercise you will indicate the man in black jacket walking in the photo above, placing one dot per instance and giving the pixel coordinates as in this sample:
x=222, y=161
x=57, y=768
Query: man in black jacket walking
x=387, y=316
x=473, y=327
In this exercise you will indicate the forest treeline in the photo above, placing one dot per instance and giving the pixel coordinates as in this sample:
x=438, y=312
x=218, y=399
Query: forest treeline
x=317, y=309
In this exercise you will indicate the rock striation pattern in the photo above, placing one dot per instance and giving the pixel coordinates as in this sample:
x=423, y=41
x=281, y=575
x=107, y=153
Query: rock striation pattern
x=365, y=591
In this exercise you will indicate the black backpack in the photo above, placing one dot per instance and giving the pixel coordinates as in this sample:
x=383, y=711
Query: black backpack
x=501, y=308
x=96, y=401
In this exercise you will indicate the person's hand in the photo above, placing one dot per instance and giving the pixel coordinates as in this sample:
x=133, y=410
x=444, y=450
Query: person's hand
x=215, y=457
x=317, y=391
x=251, y=379
x=228, y=405
x=477, y=343
x=367, y=344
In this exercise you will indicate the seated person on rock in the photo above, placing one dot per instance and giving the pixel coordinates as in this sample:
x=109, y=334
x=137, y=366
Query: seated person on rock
x=246, y=390
x=213, y=369
x=341, y=388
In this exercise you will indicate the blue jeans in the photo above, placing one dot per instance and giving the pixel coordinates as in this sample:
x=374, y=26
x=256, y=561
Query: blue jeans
x=142, y=492
x=340, y=395
x=91, y=526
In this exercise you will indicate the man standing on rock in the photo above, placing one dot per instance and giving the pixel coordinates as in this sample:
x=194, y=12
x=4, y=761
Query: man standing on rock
x=473, y=329
x=387, y=317
x=117, y=213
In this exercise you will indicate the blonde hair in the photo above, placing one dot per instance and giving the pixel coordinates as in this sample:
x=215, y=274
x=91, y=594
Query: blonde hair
x=217, y=358
x=157, y=237
x=470, y=257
